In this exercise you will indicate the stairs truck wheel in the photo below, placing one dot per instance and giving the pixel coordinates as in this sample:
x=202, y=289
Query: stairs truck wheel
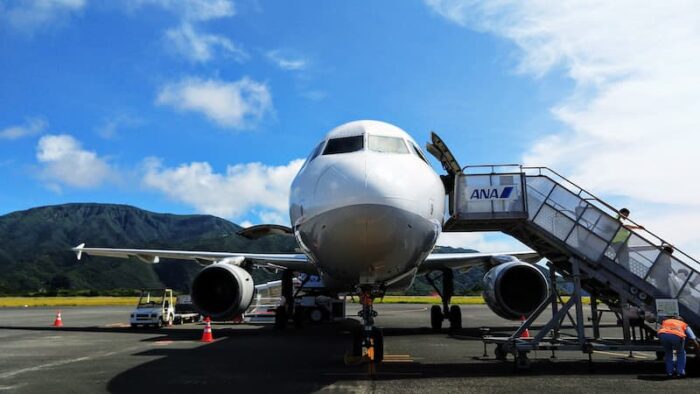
x=499, y=353
x=281, y=317
x=436, y=318
x=378, y=343
x=455, y=318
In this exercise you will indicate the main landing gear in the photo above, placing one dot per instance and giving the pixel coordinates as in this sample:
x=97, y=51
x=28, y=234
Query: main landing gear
x=451, y=313
x=368, y=339
x=286, y=310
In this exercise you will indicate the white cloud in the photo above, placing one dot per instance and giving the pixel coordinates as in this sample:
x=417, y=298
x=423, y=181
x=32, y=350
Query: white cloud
x=236, y=104
x=202, y=47
x=30, y=15
x=64, y=161
x=630, y=125
x=31, y=127
x=192, y=10
x=242, y=188
x=286, y=61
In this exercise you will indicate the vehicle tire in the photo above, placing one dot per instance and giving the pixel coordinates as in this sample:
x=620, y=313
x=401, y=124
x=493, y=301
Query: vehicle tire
x=436, y=317
x=455, y=318
x=660, y=356
x=134, y=325
x=315, y=315
x=178, y=320
x=281, y=317
x=160, y=323
x=378, y=343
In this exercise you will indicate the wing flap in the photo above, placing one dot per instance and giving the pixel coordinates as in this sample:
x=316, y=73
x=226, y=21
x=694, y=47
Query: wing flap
x=436, y=261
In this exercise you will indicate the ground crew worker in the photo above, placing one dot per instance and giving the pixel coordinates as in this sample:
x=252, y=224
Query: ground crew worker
x=672, y=336
x=619, y=241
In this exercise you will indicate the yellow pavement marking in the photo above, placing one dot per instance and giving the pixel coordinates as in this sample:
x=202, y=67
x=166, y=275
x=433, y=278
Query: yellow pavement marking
x=117, y=325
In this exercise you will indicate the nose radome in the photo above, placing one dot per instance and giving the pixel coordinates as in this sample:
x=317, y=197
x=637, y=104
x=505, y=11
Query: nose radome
x=342, y=183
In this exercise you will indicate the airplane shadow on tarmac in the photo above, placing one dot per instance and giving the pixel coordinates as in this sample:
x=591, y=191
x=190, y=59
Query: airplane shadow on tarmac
x=311, y=358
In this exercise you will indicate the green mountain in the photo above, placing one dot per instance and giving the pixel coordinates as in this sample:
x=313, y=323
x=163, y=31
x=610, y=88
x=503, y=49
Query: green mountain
x=35, y=247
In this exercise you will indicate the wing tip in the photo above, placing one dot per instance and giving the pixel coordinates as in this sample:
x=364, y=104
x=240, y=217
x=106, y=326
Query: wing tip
x=79, y=250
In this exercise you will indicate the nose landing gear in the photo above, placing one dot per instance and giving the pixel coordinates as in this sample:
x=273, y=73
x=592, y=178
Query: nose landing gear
x=368, y=340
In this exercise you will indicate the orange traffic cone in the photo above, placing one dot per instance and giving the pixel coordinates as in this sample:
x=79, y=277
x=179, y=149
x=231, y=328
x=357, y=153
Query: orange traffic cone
x=206, y=336
x=526, y=333
x=58, y=322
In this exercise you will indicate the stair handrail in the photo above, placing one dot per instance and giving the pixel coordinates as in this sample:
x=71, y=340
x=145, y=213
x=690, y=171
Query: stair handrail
x=662, y=242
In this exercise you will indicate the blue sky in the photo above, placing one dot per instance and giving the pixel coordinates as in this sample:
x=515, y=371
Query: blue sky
x=168, y=105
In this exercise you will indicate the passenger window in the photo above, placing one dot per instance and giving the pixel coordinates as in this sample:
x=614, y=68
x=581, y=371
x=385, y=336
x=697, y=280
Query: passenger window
x=419, y=153
x=379, y=143
x=344, y=145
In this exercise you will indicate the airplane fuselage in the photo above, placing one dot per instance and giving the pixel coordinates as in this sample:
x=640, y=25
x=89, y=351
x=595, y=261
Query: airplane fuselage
x=367, y=207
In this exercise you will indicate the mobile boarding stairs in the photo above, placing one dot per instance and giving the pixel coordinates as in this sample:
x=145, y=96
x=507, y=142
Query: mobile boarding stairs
x=576, y=232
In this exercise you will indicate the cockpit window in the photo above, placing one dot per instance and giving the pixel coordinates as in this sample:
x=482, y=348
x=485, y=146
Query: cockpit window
x=419, y=153
x=344, y=145
x=380, y=143
x=315, y=152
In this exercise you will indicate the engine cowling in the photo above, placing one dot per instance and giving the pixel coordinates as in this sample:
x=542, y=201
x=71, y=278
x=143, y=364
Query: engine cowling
x=515, y=289
x=222, y=291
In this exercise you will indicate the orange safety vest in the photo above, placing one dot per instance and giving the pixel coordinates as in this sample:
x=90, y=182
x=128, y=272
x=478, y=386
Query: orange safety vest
x=673, y=326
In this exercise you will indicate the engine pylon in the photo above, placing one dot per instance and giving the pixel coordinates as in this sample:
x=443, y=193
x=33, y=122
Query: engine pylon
x=58, y=322
x=206, y=335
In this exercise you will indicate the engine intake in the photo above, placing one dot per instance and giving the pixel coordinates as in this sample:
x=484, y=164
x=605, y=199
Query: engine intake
x=222, y=291
x=515, y=289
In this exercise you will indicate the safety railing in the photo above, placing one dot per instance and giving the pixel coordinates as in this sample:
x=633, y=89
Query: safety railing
x=592, y=227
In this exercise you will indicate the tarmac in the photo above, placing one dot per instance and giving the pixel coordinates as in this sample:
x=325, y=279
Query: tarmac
x=96, y=351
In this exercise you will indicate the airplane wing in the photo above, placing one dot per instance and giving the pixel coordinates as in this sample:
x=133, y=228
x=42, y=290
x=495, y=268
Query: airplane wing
x=436, y=261
x=297, y=262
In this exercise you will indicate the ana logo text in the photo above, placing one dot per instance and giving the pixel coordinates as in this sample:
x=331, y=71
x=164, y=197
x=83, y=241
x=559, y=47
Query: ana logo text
x=492, y=193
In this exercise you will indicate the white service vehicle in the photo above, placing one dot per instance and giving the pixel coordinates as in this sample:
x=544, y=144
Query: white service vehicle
x=155, y=308
x=185, y=311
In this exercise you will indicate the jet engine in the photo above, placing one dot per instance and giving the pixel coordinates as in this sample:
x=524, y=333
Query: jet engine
x=515, y=289
x=222, y=291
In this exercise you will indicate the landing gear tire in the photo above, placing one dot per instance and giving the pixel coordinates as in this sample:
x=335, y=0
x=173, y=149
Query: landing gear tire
x=436, y=318
x=281, y=317
x=357, y=338
x=378, y=344
x=455, y=318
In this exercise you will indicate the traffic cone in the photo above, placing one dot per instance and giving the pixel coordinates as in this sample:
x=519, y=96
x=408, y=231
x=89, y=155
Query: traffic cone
x=206, y=336
x=58, y=322
x=526, y=333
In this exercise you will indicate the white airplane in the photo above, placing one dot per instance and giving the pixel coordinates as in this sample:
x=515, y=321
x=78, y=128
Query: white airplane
x=366, y=209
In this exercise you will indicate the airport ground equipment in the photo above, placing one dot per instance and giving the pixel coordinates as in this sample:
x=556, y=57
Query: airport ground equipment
x=155, y=308
x=185, y=311
x=58, y=322
x=580, y=236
